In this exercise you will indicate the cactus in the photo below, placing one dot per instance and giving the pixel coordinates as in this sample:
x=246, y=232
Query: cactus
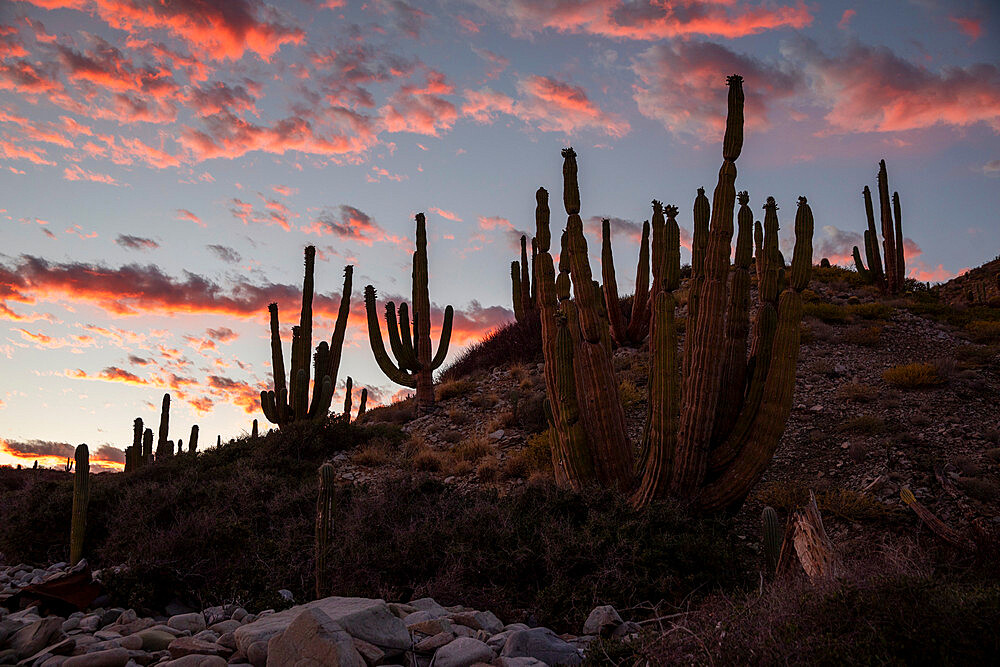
x=164, y=447
x=289, y=401
x=638, y=325
x=147, y=446
x=891, y=279
x=413, y=367
x=137, y=452
x=772, y=538
x=254, y=430
x=522, y=286
x=193, y=440
x=324, y=526
x=348, y=400
x=709, y=443
x=81, y=497
x=218, y=441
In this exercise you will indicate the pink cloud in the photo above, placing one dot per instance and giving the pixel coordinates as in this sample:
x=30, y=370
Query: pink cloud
x=447, y=215
x=421, y=110
x=971, y=27
x=76, y=173
x=845, y=19
x=184, y=214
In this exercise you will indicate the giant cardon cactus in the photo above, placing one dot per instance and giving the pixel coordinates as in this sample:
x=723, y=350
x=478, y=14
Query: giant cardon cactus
x=635, y=331
x=289, y=402
x=523, y=288
x=81, y=498
x=714, y=421
x=324, y=526
x=891, y=279
x=413, y=366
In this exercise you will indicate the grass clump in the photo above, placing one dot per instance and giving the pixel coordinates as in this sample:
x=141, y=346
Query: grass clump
x=870, y=311
x=983, y=331
x=856, y=392
x=629, y=394
x=865, y=425
x=912, y=376
x=453, y=389
x=863, y=336
x=825, y=312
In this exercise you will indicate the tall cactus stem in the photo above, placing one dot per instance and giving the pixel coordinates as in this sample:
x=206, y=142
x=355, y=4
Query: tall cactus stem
x=324, y=527
x=81, y=498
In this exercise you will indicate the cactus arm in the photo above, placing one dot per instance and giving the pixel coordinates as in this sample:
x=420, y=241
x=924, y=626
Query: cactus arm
x=888, y=231
x=392, y=329
x=147, y=445
x=699, y=240
x=293, y=376
x=277, y=358
x=305, y=315
x=525, y=280
x=81, y=498
x=340, y=328
x=865, y=274
x=515, y=283
x=871, y=241
x=574, y=459
x=193, y=440
x=611, y=301
x=900, y=257
x=363, y=405
x=164, y=430
x=422, y=319
x=772, y=538
x=638, y=325
x=531, y=307
x=378, y=347
x=321, y=361
x=445, y=340
x=758, y=241
x=300, y=400
x=408, y=361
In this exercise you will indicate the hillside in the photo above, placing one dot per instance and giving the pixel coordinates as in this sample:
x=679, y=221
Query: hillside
x=460, y=504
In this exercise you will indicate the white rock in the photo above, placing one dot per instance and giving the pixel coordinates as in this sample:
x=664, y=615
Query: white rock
x=313, y=638
x=462, y=652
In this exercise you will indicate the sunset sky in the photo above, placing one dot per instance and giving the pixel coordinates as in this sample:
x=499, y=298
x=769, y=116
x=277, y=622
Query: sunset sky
x=164, y=162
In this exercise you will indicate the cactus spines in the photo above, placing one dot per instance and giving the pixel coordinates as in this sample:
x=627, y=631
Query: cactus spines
x=289, y=401
x=772, y=536
x=705, y=444
x=164, y=430
x=324, y=526
x=413, y=367
x=81, y=498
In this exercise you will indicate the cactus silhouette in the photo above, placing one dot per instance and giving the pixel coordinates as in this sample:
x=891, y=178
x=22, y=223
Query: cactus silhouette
x=891, y=279
x=289, y=400
x=81, y=498
x=706, y=440
x=413, y=366
x=523, y=287
x=324, y=526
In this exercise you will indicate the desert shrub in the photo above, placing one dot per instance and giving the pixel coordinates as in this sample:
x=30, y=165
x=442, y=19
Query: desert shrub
x=374, y=454
x=982, y=331
x=629, y=394
x=839, y=502
x=825, y=312
x=983, y=490
x=428, y=460
x=451, y=435
x=535, y=456
x=529, y=412
x=515, y=342
x=473, y=449
x=488, y=469
x=458, y=416
x=857, y=451
x=973, y=356
x=453, y=388
x=856, y=392
x=870, y=311
x=865, y=336
x=399, y=412
x=485, y=400
x=912, y=376
x=864, y=424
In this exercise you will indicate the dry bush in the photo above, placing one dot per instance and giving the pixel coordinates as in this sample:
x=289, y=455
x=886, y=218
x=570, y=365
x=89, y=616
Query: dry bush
x=518, y=372
x=374, y=454
x=912, y=376
x=974, y=356
x=488, y=469
x=843, y=503
x=857, y=451
x=864, y=424
x=536, y=456
x=458, y=416
x=817, y=331
x=485, y=400
x=984, y=331
x=983, y=490
x=453, y=389
x=460, y=468
x=399, y=412
x=856, y=392
x=825, y=312
x=451, y=435
x=864, y=336
x=629, y=394
x=473, y=449
x=428, y=460
x=870, y=311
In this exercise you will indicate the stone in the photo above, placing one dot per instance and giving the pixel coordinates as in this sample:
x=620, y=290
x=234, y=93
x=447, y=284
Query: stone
x=431, y=626
x=462, y=652
x=313, y=638
x=370, y=620
x=257, y=654
x=195, y=661
x=8, y=627
x=131, y=642
x=478, y=620
x=239, y=614
x=155, y=640
x=626, y=628
x=183, y=646
x=90, y=623
x=429, y=605
x=207, y=636
x=64, y=647
x=602, y=621
x=286, y=595
x=33, y=637
x=543, y=644
x=193, y=622
x=228, y=640
x=114, y=657
x=401, y=610
x=434, y=642
x=371, y=654
x=519, y=662
x=225, y=626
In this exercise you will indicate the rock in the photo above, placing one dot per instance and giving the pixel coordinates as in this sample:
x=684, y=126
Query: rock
x=225, y=626
x=462, y=652
x=519, y=662
x=479, y=620
x=8, y=627
x=257, y=654
x=207, y=636
x=195, y=661
x=434, y=642
x=313, y=638
x=114, y=657
x=418, y=617
x=239, y=614
x=429, y=605
x=602, y=621
x=401, y=610
x=193, y=622
x=626, y=628
x=131, y=642
x=431, y=626
x=33, y=637
x=371, y=654
x=496, y=435
x=286, y=595
x=155, y=640
x=228, y=640
x=365, y=619
x=64, y=647
x=111, y=616
x=90, y=623
x=543, y=644
x=183, y=646
x=68, y=626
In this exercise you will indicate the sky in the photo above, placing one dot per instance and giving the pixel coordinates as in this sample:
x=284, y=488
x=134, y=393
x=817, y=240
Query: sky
x=163, y=163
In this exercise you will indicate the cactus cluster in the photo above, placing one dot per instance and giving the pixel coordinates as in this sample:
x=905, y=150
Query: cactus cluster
x=714, y=420
x=140, y=452
x=890, y=280
x=348, y=399
x=81, y=498
x=523, y=287
x=413, y=366
x=635, y=331
x=289, y=400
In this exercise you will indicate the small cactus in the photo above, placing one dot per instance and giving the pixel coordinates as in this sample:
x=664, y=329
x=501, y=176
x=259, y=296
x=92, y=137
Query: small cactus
x=193, y=440
x=522, y=285
x=772, y=538
x=164, y=447
x=254, y=430
x=81, y=498
x=324, y=526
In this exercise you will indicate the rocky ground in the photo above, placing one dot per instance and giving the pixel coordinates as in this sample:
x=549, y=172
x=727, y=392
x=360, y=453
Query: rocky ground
x=331, y=631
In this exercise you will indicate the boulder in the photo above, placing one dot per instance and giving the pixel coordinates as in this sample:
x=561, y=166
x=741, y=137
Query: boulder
x=478, y=620
x=183, y=646
x=112, y=657
x=433, y=643
x=195, y=661
x=542, y=644
x=518, y=662
x=429, y=604
x=193, y=622
x=602, y=621
x=155, y=640
x=35, y=636
x=313, y=638
x=370, y=620
x=463, y=652
x=257, y=654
